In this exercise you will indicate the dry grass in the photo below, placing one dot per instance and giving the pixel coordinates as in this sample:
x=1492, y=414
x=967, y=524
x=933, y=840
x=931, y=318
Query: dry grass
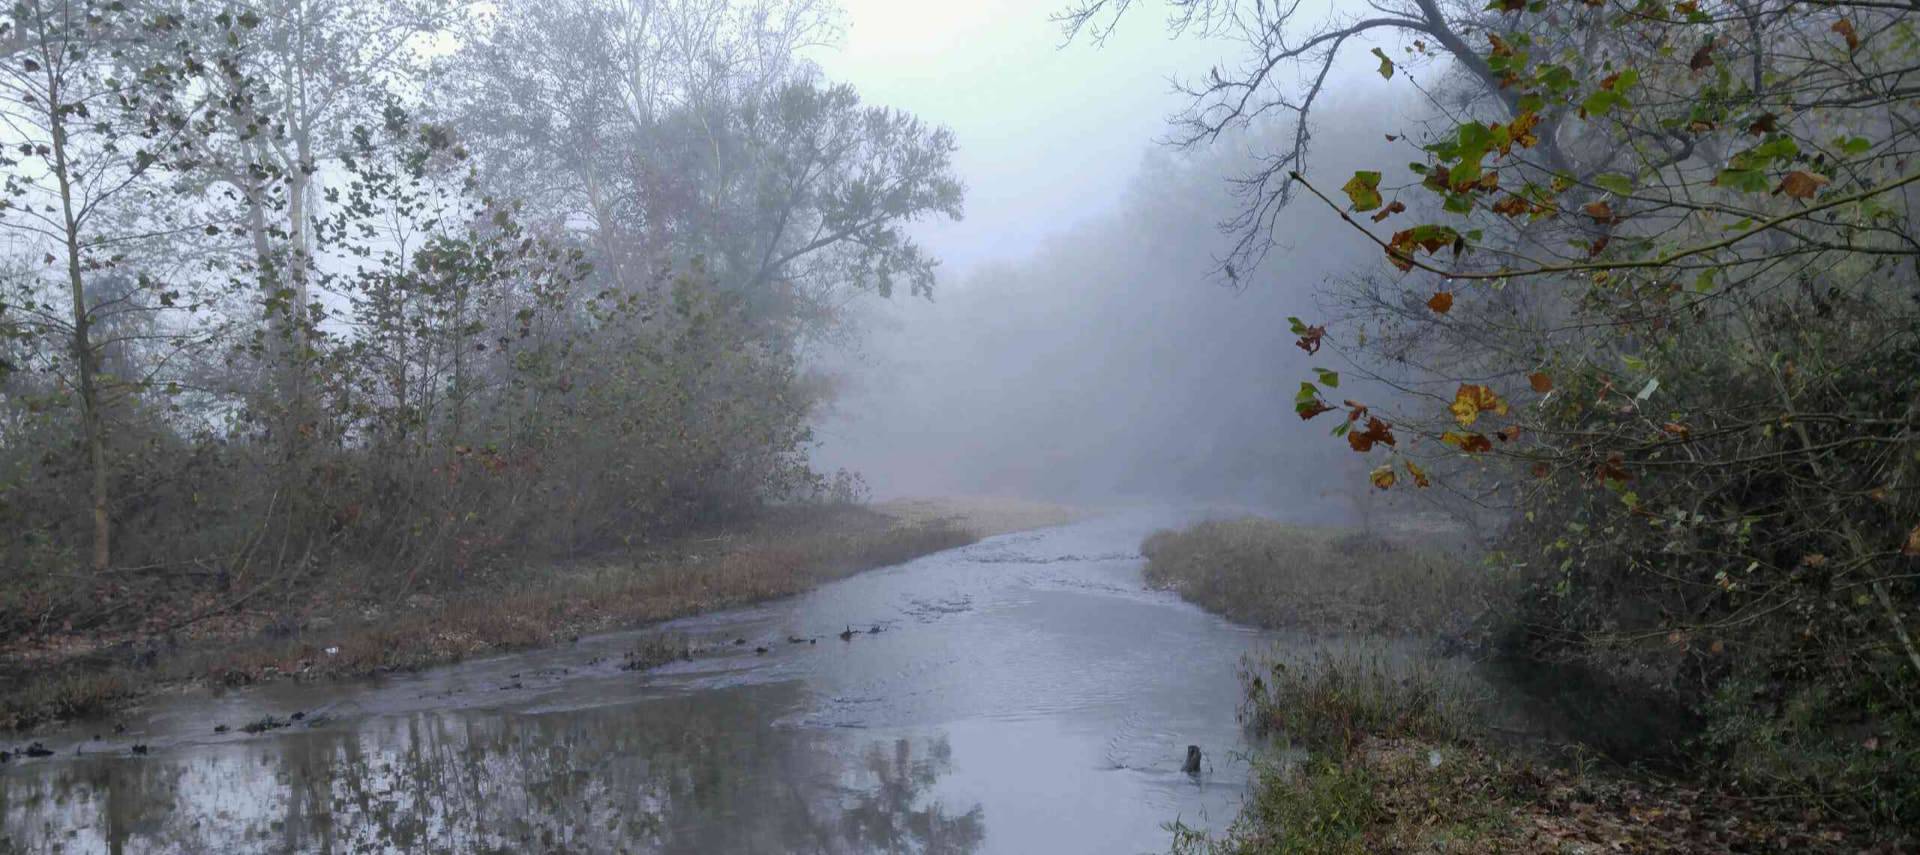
x=980, y=516
x=1394, y=764
x=1277, y=575
x=786, y=553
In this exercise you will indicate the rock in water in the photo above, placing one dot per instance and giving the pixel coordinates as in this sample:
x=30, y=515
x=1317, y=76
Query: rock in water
x=1192, y=766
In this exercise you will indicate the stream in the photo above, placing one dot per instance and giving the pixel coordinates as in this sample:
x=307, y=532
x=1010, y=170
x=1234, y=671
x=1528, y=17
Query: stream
x=1023, y=694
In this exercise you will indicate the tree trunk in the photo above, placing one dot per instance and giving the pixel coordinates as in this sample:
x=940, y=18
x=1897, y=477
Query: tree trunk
x=92, y=422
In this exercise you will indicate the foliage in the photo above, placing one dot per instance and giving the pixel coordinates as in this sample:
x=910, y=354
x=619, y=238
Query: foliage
x=271, y=313
x=1339, y=696
x=1650, y=289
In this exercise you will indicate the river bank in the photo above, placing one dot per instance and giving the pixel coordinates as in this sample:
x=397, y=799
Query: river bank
x=1385, y=754
x=337, y=632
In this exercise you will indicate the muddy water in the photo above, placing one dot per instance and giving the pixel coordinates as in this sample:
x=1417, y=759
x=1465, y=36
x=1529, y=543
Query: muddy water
x=1024, y=694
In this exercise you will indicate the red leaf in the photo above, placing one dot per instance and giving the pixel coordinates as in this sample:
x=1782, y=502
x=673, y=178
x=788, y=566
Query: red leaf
x=1802, y=185
x=1702, y=58
x=1310, y=340
x=1845, y=28
x=1441, y=302
x=1392, y=208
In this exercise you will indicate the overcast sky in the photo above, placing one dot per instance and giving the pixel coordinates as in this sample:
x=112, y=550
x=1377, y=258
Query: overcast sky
x=1048, y=135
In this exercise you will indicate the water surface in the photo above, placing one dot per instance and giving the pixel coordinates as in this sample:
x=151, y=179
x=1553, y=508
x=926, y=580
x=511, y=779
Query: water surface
x=1024, y=694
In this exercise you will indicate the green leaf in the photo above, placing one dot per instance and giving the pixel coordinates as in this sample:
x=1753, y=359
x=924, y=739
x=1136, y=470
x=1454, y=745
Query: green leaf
x=1601, y=102
x=1742, y=180
x=1854, y=146
x=1620, y=184
x=1364, y=189
x=1330, y=379
x=1386, y=65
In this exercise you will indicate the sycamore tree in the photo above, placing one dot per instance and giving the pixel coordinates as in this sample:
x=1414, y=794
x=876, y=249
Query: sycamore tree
x=100, y=105
x=1657, y=289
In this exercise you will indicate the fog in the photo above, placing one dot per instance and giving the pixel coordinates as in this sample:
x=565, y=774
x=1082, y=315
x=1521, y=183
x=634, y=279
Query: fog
x=1082, y=344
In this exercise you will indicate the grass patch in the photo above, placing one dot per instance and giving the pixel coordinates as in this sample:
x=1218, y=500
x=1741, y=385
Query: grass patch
x=1278, y=575
x=1394, y=761
x=67, y=694
x=1337, y=697
x=787, y=552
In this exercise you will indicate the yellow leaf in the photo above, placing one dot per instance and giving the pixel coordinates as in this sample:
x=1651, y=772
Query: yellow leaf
x=1464, y=411
x=1419, y=475
x=1471, y=400
x=1383, y=477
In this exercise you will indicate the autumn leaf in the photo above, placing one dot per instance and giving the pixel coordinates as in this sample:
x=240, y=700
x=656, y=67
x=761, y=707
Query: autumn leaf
x=1509, y=433
x=1441, y=302
x=1392, y=208
x=1383, y=477
x=1309, y=409
x=1540, y=382
x=1377, y=432
x=1512, y=206
x=1602, y=213
x=1400, y=250
x=1310, y=338
x=1802, y=185
x=1542, y=469
x=1473, y=399
x=1419, y=475
x=1613, y=469
x=1911, y=548
x=1677, y=429
x=1845, y=28
x=1472, y=443
x=1702, y=58
x=1766, y=124
x=1520, y=130
x=1364, y=189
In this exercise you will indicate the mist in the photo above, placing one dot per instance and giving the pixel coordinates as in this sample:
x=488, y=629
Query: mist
x=1116, y=361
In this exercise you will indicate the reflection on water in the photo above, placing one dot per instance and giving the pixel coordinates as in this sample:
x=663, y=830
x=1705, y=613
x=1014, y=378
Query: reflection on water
x=656, y=776
x=1023, y=694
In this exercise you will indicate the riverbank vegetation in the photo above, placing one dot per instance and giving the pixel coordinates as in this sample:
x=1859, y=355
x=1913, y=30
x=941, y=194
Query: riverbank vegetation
x=277, y=327
x=342, y=629
x=1645, y=309
x=1276, y=575
x=1392, y=756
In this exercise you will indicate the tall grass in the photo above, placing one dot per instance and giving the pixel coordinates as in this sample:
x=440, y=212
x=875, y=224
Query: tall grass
x=1336, y=696
x=1277, y=575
